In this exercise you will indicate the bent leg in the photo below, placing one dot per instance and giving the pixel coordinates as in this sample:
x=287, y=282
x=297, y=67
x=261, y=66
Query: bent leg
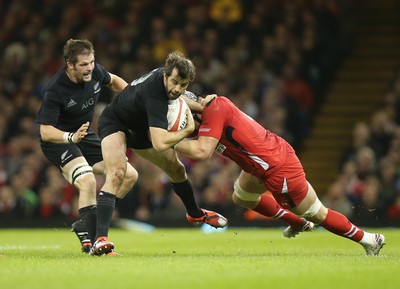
x=130, y=179
x=114, y=154
x=80, y=174
x=249, y=192
x=312, y=209
x=113, y=148
x=168, y=162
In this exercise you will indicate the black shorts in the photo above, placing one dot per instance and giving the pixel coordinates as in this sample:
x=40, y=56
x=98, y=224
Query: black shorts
x=61, y=154
x=109, y=123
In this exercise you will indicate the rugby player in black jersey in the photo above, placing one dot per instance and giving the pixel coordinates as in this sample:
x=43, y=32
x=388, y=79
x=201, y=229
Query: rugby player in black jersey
x=137, y=119
x=66, y=138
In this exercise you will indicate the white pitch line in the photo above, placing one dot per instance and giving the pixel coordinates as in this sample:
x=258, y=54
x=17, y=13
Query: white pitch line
x=24, y=247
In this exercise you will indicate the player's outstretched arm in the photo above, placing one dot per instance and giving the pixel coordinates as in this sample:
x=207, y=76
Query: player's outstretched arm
x=199, y=149
x=51, y=134
x=117, y=84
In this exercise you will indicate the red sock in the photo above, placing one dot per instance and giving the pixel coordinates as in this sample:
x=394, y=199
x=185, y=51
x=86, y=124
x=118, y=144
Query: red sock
x=270, y=208
x=340, y=225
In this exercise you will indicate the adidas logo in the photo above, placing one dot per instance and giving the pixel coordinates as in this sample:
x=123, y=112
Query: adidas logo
x=71, y=103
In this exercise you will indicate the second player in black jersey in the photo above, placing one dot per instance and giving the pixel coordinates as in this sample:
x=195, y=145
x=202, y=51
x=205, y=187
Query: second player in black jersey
x=66, y=138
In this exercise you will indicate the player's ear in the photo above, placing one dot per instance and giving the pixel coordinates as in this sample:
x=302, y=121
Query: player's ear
x=69, y=64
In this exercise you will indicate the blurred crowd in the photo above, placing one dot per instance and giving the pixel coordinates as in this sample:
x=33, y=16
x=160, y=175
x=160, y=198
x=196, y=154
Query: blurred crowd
x=274, y=59
x=368, y=186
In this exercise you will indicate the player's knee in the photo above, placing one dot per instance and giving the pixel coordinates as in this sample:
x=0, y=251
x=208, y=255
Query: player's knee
x=175, y=170
x=133, y=176
x=116, y=175
x=79, y=172
x=313, y=210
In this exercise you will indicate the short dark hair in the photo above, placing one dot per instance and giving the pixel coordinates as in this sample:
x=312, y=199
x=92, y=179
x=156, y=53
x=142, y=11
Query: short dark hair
x=75, y=47
x=186, y=68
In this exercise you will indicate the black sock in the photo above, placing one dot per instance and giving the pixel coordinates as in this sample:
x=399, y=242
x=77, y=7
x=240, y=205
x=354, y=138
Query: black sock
x=105, y=209
x=185, y=192
x=89, y=217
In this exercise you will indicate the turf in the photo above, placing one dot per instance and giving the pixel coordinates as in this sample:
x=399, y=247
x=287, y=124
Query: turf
x=190, y=258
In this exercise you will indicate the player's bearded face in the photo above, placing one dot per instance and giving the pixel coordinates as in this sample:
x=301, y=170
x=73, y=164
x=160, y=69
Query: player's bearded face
x=82, y=70
x=174, y=85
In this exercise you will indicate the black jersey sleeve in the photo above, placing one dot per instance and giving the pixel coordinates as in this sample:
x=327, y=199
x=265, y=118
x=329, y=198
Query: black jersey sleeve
x=157, y=108
x=50, y=110
x=102, y=74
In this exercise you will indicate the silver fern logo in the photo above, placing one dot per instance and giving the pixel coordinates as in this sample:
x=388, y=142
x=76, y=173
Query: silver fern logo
x=97, y=87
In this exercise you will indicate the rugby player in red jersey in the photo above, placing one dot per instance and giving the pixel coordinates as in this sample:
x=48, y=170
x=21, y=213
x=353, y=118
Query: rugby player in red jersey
x=267, y=162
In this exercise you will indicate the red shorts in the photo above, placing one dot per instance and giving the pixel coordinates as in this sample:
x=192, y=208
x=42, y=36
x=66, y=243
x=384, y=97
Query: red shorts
x=288, y=184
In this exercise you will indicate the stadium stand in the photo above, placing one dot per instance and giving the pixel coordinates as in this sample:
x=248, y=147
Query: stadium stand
x=276, y=59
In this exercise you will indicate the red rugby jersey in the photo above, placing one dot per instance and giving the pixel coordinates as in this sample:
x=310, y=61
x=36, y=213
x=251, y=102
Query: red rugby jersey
x=255, y=149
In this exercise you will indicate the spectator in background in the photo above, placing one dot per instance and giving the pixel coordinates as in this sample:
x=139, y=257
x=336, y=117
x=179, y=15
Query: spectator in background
x=26, y=196
x=10, y=205
x=336, y=198
x=382, y=128
x=389, y=180
x=369, y=207
x=393, y=211
x=361, y=137
x=364, y=166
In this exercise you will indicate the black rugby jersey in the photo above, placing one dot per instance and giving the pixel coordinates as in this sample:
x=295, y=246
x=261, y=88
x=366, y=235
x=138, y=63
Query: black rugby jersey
x=143, y=103
x=67, y=105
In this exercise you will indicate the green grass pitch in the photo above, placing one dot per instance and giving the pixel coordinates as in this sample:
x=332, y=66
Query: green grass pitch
x=190, y=259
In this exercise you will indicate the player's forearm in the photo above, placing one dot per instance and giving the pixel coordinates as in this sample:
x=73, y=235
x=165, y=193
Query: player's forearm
x=194, y=106
x=193, y=149
x=163, y=139
x=49, y=133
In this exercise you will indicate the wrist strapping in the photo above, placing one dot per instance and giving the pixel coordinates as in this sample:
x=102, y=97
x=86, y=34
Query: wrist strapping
x=67, y=137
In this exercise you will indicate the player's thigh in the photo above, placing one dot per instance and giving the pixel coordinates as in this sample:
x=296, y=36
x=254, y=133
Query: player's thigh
x=99, y=168
x=90, y=147
x=113, y=148
x=166, y=160
x=251, y=184
x=247, y=190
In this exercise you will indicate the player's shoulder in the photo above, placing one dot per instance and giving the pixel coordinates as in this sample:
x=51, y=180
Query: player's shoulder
x=56, y=82
x=100, y=73
x=220, y=100
x=152, y=83
x=99, y=68
x=153, y=76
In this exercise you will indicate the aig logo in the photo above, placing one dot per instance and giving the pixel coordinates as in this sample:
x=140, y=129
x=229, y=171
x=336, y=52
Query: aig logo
x=88, y=103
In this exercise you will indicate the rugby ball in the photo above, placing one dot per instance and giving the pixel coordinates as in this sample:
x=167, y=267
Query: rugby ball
x=176, y=115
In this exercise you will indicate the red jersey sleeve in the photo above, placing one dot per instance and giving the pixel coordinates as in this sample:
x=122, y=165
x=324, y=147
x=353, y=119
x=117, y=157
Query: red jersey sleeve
x=213, y=119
